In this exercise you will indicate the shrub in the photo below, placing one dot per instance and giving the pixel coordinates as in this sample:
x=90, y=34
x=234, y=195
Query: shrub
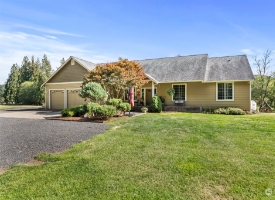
x=115, y=102
x=224, y=110
x=124, y=107
x=93, y=91
x=208, y=110
x=91, y=107
x=156, y=105
x=105, y=111
x=235, y=111
x=79, y=110
x=68, y=112
x=221, y=111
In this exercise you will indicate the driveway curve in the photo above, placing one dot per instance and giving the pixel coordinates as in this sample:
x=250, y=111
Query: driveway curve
x=21, y=139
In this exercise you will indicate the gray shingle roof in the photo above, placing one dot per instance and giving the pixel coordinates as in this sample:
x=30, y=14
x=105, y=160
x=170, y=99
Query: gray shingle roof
x=88, y=65
x=228, y=68
x=180, y=68
x=198, y=68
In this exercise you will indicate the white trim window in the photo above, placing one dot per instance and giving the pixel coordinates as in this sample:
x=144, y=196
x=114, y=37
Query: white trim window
x=225, y=91
x=180, y=92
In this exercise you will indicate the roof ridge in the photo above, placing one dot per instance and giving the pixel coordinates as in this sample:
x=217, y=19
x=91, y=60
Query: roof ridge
x=228, y=56
x=82, y=59
x=172, y=57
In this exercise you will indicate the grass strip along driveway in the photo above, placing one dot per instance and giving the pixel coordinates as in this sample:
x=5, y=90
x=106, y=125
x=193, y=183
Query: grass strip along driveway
x=158, y=156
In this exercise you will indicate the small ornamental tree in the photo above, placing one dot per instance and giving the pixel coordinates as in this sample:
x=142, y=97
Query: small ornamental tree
x=92, y=91
x=116, y=77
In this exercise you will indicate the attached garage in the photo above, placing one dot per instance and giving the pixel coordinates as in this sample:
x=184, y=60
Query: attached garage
x=63, y=87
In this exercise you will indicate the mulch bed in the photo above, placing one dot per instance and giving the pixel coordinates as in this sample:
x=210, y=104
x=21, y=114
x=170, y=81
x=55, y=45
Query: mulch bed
x=86, y=119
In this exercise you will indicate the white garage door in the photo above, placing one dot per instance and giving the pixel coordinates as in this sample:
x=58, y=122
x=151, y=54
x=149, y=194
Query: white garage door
x=57, y=99
x=74, y=99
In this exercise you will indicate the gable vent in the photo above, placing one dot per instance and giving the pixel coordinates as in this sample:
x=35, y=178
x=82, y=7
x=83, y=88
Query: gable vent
x=72, y=62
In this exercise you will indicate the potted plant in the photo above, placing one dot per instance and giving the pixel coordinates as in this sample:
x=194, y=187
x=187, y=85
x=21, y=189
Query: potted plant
x=144, y=109
x=171, y=91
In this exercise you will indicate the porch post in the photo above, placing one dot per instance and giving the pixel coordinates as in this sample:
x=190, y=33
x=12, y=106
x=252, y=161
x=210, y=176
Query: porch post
x=153, y=89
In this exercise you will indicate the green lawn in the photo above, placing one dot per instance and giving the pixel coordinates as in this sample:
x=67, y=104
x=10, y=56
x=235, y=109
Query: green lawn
x=158, y=156
x=6, y=107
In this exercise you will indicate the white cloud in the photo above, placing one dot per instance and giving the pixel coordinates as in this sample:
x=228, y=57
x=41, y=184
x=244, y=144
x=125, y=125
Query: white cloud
x=51, y=37
x=247, y=51
x=46, y=30
x=14, y=46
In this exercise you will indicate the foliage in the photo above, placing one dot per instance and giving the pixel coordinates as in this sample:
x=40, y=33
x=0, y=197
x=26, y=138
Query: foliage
x=27, y=93
x=124, y=107
x=105, y=111
x=156, y=105
x=263, y=86
x=208, y=110
x=144, y=109
x=62, y=61
x=93, y=91
x=30, y=71
x=68, y=112
x=91, y=107
x=2, y=91
x=171, y=91
x=224, y=110
x=216, y=155
x=117, y=76
x=115, y=102
x=80, y=110
x=12, y=85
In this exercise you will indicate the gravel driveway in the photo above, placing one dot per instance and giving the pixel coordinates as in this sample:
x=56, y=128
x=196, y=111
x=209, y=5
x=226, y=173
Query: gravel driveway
x=21, y=139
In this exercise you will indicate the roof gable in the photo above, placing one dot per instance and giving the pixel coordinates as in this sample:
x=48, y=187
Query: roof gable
x=85, y=64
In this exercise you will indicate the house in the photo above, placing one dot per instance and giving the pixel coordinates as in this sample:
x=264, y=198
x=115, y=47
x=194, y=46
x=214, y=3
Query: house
x=198, y=80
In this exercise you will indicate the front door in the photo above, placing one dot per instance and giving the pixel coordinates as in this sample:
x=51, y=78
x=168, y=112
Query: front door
x=148, y=96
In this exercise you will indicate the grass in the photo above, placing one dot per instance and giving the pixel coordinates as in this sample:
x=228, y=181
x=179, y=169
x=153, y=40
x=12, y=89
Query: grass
x=158, y=156
x=7, y=107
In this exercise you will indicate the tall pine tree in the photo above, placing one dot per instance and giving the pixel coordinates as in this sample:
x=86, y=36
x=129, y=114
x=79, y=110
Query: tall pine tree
x=12, y=85
x=25, y=70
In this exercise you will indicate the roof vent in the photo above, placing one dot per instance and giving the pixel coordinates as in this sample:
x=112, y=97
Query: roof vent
x=72, y=62
x=228, y=60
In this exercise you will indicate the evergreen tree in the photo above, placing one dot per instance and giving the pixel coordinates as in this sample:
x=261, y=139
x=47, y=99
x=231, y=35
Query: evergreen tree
x=46, y=67
x=25, y=70
x=2, y=90
x=12, y=85
x=62, y=61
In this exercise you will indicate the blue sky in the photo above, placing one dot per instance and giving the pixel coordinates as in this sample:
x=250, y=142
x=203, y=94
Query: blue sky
x=104, y=30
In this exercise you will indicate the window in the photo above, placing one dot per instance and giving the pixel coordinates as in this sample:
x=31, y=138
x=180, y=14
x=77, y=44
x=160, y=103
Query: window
x=224, y=91
x=179, y=92
x=127, y=94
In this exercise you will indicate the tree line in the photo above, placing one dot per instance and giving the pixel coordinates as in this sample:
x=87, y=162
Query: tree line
x=24, y=82
x=263, y=86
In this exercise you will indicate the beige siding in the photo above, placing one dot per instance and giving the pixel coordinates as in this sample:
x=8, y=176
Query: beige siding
x=204, y=94
x=69, y=73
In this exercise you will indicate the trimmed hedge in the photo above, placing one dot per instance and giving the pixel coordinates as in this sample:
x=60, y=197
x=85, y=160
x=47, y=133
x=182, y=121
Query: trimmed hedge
x=226, y=111
x=105, y=111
